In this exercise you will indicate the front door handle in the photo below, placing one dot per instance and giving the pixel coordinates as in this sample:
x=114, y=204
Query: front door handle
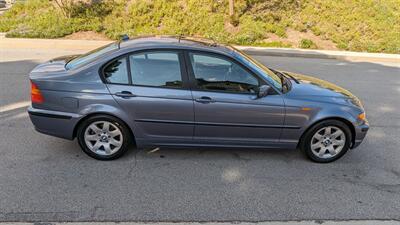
x=204, y=99
x=125, y=94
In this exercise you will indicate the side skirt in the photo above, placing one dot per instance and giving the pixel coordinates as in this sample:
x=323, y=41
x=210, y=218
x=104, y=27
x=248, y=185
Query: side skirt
x=223, y=144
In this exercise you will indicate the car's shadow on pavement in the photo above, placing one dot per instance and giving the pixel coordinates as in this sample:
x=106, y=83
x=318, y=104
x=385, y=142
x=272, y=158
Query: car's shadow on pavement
x=72, y=149
x=219, y=154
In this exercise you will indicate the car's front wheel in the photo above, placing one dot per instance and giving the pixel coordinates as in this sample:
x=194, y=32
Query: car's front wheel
x=327, y=141
x=103, y=137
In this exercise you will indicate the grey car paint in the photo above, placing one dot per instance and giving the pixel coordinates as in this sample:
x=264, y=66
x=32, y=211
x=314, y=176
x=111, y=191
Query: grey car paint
x=163, y=116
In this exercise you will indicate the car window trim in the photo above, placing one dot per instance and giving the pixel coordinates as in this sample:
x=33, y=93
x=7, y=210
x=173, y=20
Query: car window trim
x=181, y=58
x=192, y=76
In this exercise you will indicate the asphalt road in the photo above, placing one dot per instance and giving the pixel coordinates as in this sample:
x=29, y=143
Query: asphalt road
x=43, y=178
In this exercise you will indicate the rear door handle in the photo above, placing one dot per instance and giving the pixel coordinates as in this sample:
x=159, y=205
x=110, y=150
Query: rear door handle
x=125, y=94
x=204, y=99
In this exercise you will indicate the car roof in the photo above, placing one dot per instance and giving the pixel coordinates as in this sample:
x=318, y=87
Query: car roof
x=179, y=42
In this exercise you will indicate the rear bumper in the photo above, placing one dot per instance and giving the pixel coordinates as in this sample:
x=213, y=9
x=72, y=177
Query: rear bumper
x=360, y=133
x=54, y=123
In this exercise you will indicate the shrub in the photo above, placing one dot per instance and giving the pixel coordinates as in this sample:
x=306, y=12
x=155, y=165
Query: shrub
x=22, y=13
x=366, y=25
x=41, y=19
x=45, y=25
x=359, y=25
x=274, y=44
x=249, y=32
x=307, y=43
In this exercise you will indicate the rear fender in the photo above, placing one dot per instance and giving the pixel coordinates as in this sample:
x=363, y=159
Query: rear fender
x=102, y=109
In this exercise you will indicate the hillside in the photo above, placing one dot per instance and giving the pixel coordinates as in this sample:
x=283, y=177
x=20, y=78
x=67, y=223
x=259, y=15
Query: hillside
x=357, y=25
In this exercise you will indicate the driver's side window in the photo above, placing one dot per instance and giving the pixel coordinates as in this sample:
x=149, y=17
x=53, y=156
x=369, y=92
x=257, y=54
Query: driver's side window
x=220, y=74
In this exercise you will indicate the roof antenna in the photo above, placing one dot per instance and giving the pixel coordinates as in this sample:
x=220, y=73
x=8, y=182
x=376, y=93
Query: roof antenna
x=124, y=37
x=214, y=44
x=180, y=37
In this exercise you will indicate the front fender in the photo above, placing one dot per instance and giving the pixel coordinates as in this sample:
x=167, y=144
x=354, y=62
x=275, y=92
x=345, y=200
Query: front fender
x=300, y=116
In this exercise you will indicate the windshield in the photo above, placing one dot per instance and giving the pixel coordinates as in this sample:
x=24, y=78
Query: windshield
x=273, y=78
x=90, y=56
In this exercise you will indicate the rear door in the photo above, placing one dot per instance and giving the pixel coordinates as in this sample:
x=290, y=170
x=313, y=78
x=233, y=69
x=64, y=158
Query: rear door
x=154, y=92
x=227, y=110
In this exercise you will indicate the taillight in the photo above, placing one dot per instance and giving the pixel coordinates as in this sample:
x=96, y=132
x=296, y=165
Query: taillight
x=36, y=96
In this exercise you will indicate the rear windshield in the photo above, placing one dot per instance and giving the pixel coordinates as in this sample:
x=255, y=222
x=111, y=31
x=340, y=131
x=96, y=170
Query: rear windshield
x=90, y=56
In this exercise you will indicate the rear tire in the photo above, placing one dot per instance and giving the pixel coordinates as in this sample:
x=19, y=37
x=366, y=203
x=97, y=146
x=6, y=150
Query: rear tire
x=326, y=141
x=103, y=137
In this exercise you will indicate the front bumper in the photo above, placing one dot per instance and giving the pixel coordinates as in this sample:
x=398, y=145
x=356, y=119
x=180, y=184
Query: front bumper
x=360, y=133
x=54, y=123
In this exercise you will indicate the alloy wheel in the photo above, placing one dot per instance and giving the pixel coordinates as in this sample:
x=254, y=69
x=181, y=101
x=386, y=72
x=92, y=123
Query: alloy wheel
x=328, y=142
x=103, y=138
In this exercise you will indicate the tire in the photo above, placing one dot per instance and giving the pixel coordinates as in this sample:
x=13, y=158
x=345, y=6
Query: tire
x=322, y=146
x=101, y=143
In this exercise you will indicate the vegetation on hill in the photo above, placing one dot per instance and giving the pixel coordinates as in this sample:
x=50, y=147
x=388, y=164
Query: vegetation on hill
x=358, y=25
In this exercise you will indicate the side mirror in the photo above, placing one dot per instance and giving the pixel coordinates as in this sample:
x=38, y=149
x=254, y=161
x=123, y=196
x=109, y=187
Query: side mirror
x=263, y=91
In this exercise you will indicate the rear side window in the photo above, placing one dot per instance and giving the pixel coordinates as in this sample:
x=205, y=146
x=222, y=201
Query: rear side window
x=156, y=69
x=116, y=72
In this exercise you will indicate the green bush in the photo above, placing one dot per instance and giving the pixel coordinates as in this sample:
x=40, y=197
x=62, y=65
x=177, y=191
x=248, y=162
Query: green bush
x=307, y=43
x=42, y=19
x=22, y=13
x=174, y=18
x=274, y=44
x=358, y=25
x=45, y=25
x=249, y=31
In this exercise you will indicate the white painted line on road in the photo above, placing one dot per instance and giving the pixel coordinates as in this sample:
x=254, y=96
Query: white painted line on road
x=14, y=106
x=309, y=222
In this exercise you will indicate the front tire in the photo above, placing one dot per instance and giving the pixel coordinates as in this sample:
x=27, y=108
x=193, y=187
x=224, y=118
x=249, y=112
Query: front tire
x=103, y=137
x=326, y=141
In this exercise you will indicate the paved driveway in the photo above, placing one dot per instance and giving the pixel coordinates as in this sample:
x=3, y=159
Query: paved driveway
x=48, y=179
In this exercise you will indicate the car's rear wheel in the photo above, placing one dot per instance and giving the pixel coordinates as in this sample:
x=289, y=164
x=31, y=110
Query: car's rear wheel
x=326, y=141
x=103, y=137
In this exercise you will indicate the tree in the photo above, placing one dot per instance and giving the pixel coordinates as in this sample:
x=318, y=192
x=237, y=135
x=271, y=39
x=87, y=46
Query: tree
x=65, y=6
x=232, y=16
x=231, y=8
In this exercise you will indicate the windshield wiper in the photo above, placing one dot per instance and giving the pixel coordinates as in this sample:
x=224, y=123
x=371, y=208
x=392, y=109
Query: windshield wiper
x=293, y=78
x=284, y=80
x=285, y=83
x=286, y=75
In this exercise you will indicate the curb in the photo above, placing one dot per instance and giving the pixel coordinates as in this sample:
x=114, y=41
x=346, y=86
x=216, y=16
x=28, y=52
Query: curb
x=321, y=54
x=49, y=44
x=87, y=45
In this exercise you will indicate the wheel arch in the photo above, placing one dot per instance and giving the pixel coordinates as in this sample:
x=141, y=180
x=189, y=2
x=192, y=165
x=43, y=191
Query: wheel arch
x=345, y=121
x=100, y=114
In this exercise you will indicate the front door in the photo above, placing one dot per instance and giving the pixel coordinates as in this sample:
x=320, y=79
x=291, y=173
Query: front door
x=154, y=92
x=227, y=110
